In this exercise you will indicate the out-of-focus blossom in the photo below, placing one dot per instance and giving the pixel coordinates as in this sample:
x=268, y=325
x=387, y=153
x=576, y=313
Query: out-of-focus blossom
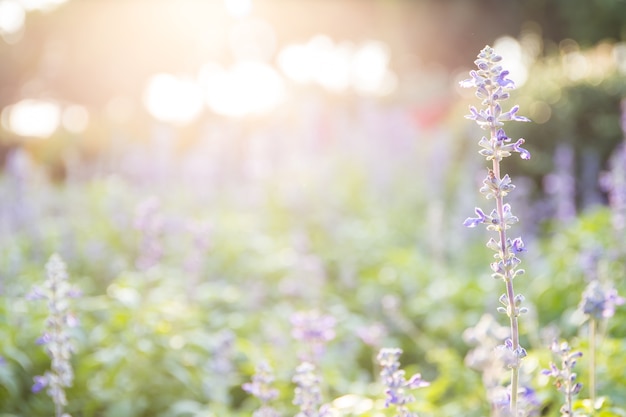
x=599, y=303
x=261, y=388
x=314, y=330
x=564, y=377
x=56, y=338
x=396, y=386
x=308, y=393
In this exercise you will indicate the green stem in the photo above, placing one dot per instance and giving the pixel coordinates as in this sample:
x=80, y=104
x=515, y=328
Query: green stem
x=592, y=363
x=510, y=292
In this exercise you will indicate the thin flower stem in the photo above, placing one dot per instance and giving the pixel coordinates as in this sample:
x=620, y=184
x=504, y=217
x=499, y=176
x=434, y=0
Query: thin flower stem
x=592, y=363
x=510, y=292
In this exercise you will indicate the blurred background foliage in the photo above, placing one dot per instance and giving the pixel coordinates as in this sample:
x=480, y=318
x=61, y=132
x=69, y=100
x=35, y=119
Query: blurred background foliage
x=208, y=168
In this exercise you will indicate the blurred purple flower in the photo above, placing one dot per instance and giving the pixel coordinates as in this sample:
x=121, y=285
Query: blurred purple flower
x=564, y=377
x=56, y=338
x=599, y=303
x=40, y=382
x=475, y=221
x=396, y=386
x=314, y=330
x=261, y=388
x=308, y=393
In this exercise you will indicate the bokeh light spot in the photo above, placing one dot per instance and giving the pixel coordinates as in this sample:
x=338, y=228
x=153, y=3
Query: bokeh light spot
x=12, y=16
x=33, y=118
x=513, y=59
x=238, y=8
x=293, y=61
x=370, y=71
x=247, y=88
x=171, y=99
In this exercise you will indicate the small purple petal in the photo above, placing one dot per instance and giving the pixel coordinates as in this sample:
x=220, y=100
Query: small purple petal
x=36, y=294
x=503, y=82
x=44, y=339
x=501, y=136
x=40, y=383
x=523, y=153
x=473, y=222
x=416, y=381
x=518, y=245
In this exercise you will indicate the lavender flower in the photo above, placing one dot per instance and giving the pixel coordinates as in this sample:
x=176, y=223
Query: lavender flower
x=57, y=291
x=315, y=330
x=492, y=85
x=308, y=394
x=261, y=388
x=599, y=303
x=564, y=377
x=396, y=385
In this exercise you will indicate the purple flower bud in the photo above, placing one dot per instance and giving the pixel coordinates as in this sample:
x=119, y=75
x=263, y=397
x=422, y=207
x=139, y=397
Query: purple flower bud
x=416, y=381
x=44, y=339
x=523, y=153
x=503, y=82
x=517, y=246
x=40, y=383
x=475, y=221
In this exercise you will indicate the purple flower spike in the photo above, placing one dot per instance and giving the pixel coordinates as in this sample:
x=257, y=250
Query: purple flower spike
x=497, y=185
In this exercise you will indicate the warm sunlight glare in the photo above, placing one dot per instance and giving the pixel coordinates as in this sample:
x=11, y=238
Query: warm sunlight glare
x=339, y=66
x=34, y=118
x=238, y=8
x=247, y=88
x=293, y=62
x=513, y=57
x=41, y=5
x=12, y=16
x=174, y=100
x=371, y=74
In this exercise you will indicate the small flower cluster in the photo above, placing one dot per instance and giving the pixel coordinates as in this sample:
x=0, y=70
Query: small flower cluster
x=261, y=388
x=308, y=394
x=599, y=303
x=57, y=291
x=565, y=378
x=396, y=385
x=314, y=330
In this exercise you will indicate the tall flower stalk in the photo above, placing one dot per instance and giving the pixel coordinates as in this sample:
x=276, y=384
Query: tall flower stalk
x=492, y=85
x=56, y=338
